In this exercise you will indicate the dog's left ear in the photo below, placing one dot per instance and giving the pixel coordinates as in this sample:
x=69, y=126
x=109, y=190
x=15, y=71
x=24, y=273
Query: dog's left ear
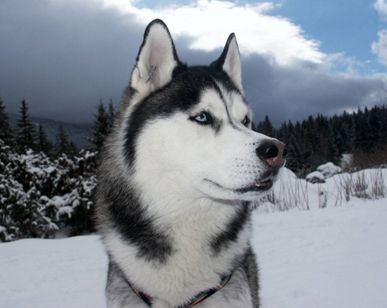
x=156, y=59
x=230, y=61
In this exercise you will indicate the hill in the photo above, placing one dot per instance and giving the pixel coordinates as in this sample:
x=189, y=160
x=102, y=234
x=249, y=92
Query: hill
x=79, y=134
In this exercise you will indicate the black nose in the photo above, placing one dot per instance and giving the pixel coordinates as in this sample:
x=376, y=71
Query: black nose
x=272, y=152
x=267, y=150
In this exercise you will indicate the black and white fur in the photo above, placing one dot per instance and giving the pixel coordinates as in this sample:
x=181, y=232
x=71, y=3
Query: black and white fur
x=174, y=190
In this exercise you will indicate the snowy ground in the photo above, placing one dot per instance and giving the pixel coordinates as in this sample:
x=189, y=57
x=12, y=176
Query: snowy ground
x=328, y=258
x=334, y=257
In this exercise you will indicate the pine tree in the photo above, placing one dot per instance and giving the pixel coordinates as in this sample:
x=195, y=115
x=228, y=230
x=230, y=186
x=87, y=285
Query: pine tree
x=101, y=127
x=25, y=134
x=63, y=145
x=72, y=149
x=348, y=132
x=309, y=137
x=265, y=127
x=383, y=127
x=374, y=123
x=333, y=154
x=44, y=145
x=362, y=130
x=6, y=133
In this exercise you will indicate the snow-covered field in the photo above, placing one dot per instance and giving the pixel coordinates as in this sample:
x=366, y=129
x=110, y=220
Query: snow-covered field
x=334, y=257
x=324, y=258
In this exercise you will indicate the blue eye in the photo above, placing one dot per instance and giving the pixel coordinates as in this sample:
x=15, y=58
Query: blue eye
x=203, y=118
x=246, y=121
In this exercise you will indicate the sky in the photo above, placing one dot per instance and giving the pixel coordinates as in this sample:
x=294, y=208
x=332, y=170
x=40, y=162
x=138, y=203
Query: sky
x=299, y=57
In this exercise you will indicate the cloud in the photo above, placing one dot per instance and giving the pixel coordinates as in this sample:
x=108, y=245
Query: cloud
x=64, y=55
x=380, y=47
x=381, y=7
x=208, y=23
x=299, y=91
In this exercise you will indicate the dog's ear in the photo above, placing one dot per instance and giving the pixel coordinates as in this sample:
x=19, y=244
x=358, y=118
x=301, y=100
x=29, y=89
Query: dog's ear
x=230, y=61
x=156, y=59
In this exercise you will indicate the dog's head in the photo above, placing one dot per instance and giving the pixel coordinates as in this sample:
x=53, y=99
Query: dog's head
x=190, y=127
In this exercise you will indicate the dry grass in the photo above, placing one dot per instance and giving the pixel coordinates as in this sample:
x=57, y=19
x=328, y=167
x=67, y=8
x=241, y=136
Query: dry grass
x=290, y=193
x=360, y=185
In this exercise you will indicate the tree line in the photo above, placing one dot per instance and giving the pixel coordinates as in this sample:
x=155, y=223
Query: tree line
x=310, y=142
x=319, y=139
x=27, y=135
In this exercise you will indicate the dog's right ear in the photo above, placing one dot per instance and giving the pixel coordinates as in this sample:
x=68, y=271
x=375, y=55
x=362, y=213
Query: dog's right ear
x=156, y=59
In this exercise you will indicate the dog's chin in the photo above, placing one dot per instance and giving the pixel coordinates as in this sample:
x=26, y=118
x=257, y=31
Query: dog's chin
x=249, y=192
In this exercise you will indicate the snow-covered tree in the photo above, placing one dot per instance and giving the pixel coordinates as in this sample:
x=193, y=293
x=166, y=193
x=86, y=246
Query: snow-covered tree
x=22, y=182
x=40, y=196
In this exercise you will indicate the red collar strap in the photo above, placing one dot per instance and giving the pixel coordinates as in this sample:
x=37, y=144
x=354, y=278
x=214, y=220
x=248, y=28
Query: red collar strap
x=200, y=297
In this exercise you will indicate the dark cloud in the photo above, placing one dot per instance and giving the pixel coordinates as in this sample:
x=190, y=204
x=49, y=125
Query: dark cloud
x=302, y=90
x=63, y=56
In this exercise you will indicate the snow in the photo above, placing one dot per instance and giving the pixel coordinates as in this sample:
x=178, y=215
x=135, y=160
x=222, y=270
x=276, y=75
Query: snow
x=346, y=160
x=323, y=172
x=52, y=273
x=331, y=256
x=286, y=173
x=315, y=177
x=50, y=169
x=329, y=169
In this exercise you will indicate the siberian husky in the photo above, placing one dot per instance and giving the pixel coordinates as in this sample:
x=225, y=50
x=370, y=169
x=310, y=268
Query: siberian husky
x=176, y=180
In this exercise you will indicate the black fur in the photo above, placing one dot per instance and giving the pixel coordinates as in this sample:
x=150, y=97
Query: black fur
x=250, y=267
x=230, y=234
x=132, y=223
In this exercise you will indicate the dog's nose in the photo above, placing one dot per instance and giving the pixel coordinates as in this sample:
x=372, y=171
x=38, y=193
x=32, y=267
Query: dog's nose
x=273, y=152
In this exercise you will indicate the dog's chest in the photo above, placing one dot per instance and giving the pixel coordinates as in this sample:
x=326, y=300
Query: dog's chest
x=194, y=265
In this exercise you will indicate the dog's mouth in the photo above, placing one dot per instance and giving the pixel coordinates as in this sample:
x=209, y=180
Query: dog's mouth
x=264, y=185
x=258, y=186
